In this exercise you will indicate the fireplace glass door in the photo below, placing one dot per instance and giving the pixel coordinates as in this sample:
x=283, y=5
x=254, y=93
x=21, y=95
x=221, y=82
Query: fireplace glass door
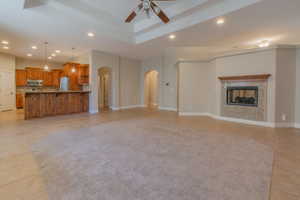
x=242, y=96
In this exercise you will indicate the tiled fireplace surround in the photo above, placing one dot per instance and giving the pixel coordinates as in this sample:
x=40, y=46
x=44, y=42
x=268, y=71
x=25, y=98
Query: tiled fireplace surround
x=253, y=113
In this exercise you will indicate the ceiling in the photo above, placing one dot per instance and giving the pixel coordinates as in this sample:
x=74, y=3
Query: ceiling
x=65, y=24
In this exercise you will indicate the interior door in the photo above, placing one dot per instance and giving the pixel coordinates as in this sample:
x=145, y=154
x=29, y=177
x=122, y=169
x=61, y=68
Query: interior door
x=7, y=91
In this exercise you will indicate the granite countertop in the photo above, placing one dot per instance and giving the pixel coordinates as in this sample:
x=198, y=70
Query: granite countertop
x=58, y=91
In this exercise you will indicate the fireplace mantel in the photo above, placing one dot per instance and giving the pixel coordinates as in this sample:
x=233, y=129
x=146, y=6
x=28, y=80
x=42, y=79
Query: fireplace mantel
x=245, y=77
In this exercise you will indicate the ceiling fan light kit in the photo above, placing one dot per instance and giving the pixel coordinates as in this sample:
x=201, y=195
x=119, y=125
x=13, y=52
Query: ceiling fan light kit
x=149, y=6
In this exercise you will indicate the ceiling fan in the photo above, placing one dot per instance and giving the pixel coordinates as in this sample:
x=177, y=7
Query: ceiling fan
x=149, y=6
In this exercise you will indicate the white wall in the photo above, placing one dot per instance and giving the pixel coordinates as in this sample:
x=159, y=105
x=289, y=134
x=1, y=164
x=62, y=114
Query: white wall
x=194, y=87
x=22, y=63
x=129, y=82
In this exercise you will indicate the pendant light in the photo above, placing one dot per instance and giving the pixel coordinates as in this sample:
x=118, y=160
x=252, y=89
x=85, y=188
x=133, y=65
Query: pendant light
x=73, y=70
x=46, y=67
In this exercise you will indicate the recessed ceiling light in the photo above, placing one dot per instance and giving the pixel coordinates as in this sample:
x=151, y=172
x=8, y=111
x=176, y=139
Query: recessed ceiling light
x=53, y=55
x=49, y=57
x=34, y=47
x=264, y=44
x=172, y=37
x=29, y=55
x=90, y=34
x=220, y=21
x=4, y=42
x=57, y=51
x=5, y=47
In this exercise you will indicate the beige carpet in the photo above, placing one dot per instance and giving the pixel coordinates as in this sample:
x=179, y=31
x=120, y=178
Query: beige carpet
x=151, y=160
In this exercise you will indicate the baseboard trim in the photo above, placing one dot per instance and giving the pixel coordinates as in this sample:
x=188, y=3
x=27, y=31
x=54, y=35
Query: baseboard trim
x=194, y=114
x=130, y=107
x=285, y=125
x=115, y=108
x=297, y=125
x=244, y=121
x=93, y=111
x=168, y=109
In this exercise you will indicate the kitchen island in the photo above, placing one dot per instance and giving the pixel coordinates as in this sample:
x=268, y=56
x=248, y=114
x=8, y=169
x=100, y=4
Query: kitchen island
x=50, y=103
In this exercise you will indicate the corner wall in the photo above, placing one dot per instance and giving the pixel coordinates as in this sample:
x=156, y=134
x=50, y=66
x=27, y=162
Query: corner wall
x=297, y=90
x=125, y=80
x=129, y=82
x=285, y=86
x=195, y=92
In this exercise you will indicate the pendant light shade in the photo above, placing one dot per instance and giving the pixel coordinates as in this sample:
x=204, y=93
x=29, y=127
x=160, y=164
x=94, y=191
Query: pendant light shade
x=73, y=70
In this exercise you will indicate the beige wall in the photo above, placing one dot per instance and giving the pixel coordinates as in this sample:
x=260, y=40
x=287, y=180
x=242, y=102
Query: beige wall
x=7, y=62
x=98, y=60
x=22, y=63
x=151, y=88
x=8, y=65
x=194, y=87
x=285, y=85
x=125, y=79
x=129, y=82
x=297, y=88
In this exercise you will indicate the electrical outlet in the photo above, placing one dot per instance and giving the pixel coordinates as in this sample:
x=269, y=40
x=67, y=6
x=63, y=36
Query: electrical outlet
x=283, y=117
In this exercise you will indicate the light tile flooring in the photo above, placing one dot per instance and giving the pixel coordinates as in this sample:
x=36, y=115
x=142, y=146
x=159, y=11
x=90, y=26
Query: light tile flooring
x=19, y=173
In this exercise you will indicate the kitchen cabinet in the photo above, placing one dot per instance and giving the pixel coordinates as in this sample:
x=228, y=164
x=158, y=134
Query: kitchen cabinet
x=21, y=77
x=19, y=100
x=35, y=74
x=48, y=78
x=83, y=74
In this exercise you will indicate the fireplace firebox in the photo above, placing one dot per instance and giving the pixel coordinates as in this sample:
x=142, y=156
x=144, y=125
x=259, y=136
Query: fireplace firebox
x=242, y=96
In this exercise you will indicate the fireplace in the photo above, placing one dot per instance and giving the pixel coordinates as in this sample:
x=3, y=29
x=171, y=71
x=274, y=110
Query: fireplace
x=242, y=96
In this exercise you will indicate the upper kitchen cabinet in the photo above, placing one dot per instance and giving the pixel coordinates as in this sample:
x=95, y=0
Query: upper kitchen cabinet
x=83, y=74
x=48, y=78
x=21, y=77
x=34, y=73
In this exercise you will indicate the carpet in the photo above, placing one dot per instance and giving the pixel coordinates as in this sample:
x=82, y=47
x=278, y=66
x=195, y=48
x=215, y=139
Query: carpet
x=152, y=160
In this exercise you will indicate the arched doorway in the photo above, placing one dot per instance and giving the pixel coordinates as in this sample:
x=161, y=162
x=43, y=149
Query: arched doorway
x=151, y=90
x=104, y=94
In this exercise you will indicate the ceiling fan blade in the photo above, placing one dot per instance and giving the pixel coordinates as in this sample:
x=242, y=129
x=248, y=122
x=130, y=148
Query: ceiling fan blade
x=159, y=13
x=163, y=17
x=130, y=17
x=134, y=13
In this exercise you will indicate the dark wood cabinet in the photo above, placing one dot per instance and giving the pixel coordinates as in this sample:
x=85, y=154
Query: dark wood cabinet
x=78, y=75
